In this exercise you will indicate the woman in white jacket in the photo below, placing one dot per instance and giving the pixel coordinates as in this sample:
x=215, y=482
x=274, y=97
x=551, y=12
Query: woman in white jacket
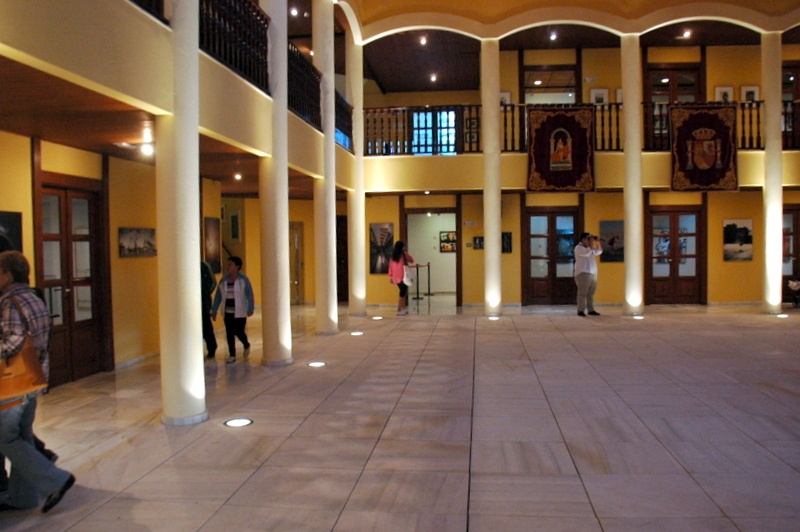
x=237, y=293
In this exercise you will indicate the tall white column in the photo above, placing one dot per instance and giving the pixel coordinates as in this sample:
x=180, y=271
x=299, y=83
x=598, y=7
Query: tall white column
x=273, y=202
x=632, y=194
x=183, y=388
x=356, y=207
x=325, y=188
x=492, y=200
x=771, y=67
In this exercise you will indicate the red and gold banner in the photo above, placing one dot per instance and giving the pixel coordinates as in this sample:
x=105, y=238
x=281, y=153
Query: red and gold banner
x=560, y=148
x=703, y=147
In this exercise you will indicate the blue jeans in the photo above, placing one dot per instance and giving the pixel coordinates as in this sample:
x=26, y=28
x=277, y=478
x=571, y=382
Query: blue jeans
x=31, y=472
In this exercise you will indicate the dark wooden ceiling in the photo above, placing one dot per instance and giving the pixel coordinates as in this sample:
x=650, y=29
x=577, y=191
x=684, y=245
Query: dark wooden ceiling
x=36, y=104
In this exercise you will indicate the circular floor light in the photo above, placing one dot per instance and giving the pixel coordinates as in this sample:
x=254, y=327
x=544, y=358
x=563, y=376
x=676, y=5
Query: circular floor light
x=783, y=315
x=238, y=422
x=316, y=364
x=377, y=317
x=356, y=333
x=494, y=318
x=638, y=317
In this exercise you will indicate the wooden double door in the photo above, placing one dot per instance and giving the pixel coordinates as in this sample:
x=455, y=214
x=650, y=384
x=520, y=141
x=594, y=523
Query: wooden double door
x=675, y=255
x=548, y=244
x=69, y=242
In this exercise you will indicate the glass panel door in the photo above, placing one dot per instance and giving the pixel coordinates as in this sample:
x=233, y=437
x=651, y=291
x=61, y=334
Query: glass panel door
x=550, y=258
x=675, y=268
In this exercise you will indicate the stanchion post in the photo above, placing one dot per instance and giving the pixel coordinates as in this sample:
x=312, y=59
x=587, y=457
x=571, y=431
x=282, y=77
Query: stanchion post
x=429, y=281
x=416, y=266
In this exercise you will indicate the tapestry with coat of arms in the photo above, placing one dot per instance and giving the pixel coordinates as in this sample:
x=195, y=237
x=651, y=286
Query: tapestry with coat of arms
x=560, y=148
x=703, y=147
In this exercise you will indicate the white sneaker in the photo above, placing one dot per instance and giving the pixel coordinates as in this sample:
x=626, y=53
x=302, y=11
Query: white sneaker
x=246, y=352
x=403, y=312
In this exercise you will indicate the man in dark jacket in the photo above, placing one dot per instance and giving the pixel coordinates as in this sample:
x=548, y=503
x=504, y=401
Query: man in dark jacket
x=209, y=282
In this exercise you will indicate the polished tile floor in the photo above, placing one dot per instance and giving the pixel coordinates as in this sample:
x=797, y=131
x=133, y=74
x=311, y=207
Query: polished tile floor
x=445, y=421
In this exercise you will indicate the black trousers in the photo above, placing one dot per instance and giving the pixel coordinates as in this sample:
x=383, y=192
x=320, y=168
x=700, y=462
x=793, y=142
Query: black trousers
x=208, y=334
x=234, y=328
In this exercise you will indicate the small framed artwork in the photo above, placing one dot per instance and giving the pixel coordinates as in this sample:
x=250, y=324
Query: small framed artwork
x=472, y=137
x=723, y=94
x=472, y=123
x=612, y=238
x=506, y=240
x=505, y=98
x=477, y=242
x=447, y=241
x=235, y=219
x=11, y=231
x=381, y=244
x=137, y=242
x=598, y=96
x=750, y=93
x=737, y=240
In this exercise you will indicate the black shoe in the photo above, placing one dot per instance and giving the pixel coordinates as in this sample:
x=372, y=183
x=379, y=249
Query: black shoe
x=56, y=496
x=593, y=313
x=580, y=313
x=50, y=455
x=211, y=355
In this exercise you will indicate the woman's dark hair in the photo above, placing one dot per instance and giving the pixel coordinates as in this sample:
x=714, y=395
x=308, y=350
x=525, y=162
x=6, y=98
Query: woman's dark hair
x=236, y=260
x=399, y=247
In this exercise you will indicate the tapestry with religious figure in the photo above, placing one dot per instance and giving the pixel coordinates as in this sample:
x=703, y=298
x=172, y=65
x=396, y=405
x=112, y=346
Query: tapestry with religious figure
x=560, y=148
x=703, y=147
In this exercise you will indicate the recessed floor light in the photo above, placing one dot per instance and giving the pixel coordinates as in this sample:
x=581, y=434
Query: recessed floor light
x=316, y=364
x=238, y=422
x=494, y=318
x=638, y=317
x=783, y=315
x=377, y=317
x=356, y=333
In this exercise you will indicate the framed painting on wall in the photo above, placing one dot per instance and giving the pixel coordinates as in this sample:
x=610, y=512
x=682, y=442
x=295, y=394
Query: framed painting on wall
x=137, y=242
x=211, y=243
x=381, y=244
x=11, y=231
x=723, y=94
x=737, y=240
x=447, y=241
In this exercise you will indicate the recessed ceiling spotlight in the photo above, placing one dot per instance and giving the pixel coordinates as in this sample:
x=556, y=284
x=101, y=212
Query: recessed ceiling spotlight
x=553, y=36
x=427, y=192
x=687, y=34
x=429, y=215
x=147, y=135
x=537, y=82
x=293, y=11
x=238, y=422
x=147, y=149
x=423, y=40
x=433, y=77
x=664, y=80
x=311, y=53
x=237, y=176
x=306, y=14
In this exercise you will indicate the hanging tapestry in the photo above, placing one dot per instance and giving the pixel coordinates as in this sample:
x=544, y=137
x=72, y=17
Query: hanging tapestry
x=560, y=148
x=703, y=147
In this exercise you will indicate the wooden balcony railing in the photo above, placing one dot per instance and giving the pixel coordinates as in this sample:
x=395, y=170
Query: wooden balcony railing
x=790, y=125
x=304, y=88
x=154, y=7
x=344, y=123
x=234, y=32
x=608, y=127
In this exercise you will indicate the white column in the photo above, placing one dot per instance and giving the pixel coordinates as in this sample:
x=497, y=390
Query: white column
x=183, y=388
x=771, y=68
x=356, y=208
x=325, y=188
x=492, y=200
x=273, y=202
x=632, y=194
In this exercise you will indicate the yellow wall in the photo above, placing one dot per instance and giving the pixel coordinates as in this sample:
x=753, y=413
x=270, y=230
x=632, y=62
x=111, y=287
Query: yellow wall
x=682, y=54
x=69, y=161
x=252, y=251
x=381, y=209
x=472, y=260
x=509, y=74
x=549, y=57
x=738, y=281
x=303, y=211
x=17, y=196
x=610, y=275
x=511, y=263
x=732, y=66
x=603, y=65
x=134, y=281
x=430, y=201
x=229, y=247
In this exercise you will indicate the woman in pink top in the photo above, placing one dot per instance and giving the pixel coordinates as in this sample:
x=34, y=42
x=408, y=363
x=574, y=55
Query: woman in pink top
x=400, y=258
